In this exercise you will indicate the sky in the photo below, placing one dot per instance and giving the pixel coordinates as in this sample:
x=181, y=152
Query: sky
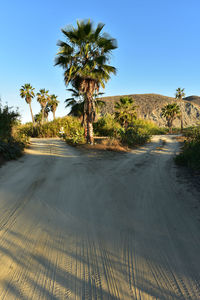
x=158, y=46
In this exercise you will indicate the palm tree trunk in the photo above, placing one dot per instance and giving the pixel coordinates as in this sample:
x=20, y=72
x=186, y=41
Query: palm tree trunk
x=32, y=114
x=54, y=114
x=85, y=118
x=181, y=117
x=42, y=115
x=90, y=136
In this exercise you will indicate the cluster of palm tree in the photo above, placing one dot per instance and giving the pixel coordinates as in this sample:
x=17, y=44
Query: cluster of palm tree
x=84, y=56
x=48, y=102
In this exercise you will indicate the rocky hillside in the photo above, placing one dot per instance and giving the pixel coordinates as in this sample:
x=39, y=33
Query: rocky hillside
x=193, y=99
x=149, y=107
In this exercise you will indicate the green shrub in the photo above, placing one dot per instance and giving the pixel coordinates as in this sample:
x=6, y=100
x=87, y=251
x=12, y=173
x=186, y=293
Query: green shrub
x=150, y=127
x=11, y=149
x=8, y=118
x=134, y=136
x=11, y=146
x=190, y=154
x=107, y=126
x=71, y=127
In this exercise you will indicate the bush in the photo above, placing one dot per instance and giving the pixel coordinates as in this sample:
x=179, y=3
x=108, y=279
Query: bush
x=190, y=154
x=135, y=136
x=72, y=130
x=11, y=146
x=150, y=127
x=107, y=126
x=8, y=118
x=11, y=149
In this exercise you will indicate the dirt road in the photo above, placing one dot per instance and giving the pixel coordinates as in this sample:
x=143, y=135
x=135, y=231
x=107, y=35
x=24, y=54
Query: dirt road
x=98, y=226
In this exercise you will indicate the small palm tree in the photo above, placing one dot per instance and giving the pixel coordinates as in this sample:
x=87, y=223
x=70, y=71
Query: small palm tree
x=53, y=104
x=170, y=112
x=43, y=98
x=125, y=111
x=180, y=95
x=84, y=57
x=27, y=92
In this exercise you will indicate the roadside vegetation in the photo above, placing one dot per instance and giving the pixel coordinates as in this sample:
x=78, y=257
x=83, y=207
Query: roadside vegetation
x=12, y=143
x=190, y=153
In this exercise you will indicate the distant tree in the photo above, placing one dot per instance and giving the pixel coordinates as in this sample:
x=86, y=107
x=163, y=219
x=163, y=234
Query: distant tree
x=125, y=111
x=46, y=112
x=27, y=92
x=180, y=95
x=43, y=98
x=84, y=57
x=53, y=104
x=38, y=117
x=170, y=112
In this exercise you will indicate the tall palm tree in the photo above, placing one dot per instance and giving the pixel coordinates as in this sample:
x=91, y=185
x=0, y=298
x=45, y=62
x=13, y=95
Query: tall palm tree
x=43, y=98
x=125, y=111
x=53, y=104
x=84, y=58
x=171, y=112
x=27, y=92
x=180, y=95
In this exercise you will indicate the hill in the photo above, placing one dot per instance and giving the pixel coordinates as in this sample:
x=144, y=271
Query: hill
x=194, y=99
x=149, y=107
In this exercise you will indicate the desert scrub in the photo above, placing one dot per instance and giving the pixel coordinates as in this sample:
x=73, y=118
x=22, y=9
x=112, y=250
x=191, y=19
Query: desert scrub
x=11, y=146
x=150, y=127
x=71, y=128
x=11, y=149
x=106, y=126
x=134, y=136
x=190, y=152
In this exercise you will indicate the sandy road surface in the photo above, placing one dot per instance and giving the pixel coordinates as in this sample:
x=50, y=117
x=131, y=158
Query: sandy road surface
x=104, y=226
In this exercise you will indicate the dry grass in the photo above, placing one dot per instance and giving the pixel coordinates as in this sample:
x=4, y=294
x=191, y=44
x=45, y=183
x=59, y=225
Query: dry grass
x=106, y=144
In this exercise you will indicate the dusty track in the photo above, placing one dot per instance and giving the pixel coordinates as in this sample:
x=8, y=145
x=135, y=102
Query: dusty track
x=97, y=226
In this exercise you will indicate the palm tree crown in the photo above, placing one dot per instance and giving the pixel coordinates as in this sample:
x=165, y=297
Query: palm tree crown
x=53, y=104
x=125, y=111
x=170, y=112
x=84, y=57
x=180, y=93
x=27, y=92
x=43, y=98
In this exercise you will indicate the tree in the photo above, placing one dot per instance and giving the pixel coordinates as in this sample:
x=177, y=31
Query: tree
x=84, y=57
x=170, y=112
x=43, y=98
x=27, y=92
x=125, y=111
x=53, y=104
x=179, y=95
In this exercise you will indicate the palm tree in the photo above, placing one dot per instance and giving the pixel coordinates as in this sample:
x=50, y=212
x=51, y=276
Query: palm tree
x=179, y=95
x=27, y=92
x=84, y=58
x=43, y=98
x=125, y=111
x=53, y=104
x=170, y=112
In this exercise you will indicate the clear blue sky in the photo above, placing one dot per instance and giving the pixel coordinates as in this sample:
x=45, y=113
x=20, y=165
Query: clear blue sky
x=158, y=46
